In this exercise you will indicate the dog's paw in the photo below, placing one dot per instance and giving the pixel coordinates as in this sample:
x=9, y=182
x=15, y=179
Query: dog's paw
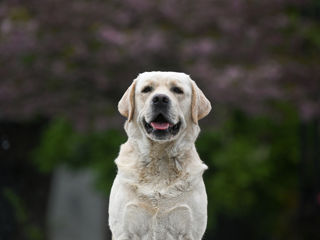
x=176, y=223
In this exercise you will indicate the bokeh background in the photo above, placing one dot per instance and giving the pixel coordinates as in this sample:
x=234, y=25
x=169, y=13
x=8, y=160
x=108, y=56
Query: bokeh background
x=65, y=64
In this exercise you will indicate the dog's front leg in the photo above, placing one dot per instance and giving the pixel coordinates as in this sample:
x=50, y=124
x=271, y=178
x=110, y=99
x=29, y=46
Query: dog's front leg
x=176, y=223
x=136, y=223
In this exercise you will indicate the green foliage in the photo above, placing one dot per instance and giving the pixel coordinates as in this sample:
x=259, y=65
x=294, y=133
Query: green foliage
x=32, y=232
x=252, y=169
x=252, y=164
x=16, y=204
x=61, y=144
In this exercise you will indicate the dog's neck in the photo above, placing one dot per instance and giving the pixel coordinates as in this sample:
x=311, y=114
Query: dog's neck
x=161, y=161
x=150, y=150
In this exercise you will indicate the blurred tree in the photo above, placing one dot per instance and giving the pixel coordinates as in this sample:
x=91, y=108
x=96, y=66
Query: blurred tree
x=75, y=58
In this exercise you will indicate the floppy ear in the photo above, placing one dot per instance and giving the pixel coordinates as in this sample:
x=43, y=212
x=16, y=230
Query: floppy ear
x=200, y=105
x=126, y=103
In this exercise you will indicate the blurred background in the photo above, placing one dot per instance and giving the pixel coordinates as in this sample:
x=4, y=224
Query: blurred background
x=65, y=64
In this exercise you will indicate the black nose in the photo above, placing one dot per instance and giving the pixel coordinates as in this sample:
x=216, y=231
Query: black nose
x=160, y=99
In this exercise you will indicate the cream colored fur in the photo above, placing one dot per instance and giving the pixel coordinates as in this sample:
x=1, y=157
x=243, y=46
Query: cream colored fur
x=159, y=193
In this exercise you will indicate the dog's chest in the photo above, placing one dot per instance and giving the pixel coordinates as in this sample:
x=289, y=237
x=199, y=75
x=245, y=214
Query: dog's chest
x=161, y=180
x=160, y=170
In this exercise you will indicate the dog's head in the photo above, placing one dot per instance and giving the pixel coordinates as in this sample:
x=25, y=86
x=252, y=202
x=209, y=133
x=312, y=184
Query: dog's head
x=163, y=104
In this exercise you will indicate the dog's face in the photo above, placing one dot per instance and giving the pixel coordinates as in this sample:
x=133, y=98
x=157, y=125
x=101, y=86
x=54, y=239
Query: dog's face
x=164, y=104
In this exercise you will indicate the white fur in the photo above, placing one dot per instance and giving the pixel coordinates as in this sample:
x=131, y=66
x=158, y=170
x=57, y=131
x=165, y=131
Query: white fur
x=158, y=193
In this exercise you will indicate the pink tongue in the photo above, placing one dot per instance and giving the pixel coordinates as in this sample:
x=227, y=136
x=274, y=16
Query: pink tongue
x=160, y=126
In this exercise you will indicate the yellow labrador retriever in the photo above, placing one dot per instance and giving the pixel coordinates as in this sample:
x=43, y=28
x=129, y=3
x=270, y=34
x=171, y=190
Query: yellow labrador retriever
x=158, y=193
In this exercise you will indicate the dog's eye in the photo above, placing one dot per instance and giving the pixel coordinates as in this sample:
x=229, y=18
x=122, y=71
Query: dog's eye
x=147, y=89
x=177, y=90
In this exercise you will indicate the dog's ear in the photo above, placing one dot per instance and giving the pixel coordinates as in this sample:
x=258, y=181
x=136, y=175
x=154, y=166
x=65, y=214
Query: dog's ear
x=200, y=106
x=126, y=103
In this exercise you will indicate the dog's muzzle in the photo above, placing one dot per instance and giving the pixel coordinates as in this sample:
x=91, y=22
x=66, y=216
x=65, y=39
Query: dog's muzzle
x=160, y=126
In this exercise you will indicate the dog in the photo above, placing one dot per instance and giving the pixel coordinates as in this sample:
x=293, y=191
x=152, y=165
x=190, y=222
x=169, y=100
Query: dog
x=159, y=193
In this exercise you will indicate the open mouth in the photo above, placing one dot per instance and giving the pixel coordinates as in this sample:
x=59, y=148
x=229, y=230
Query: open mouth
x=160, y=125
